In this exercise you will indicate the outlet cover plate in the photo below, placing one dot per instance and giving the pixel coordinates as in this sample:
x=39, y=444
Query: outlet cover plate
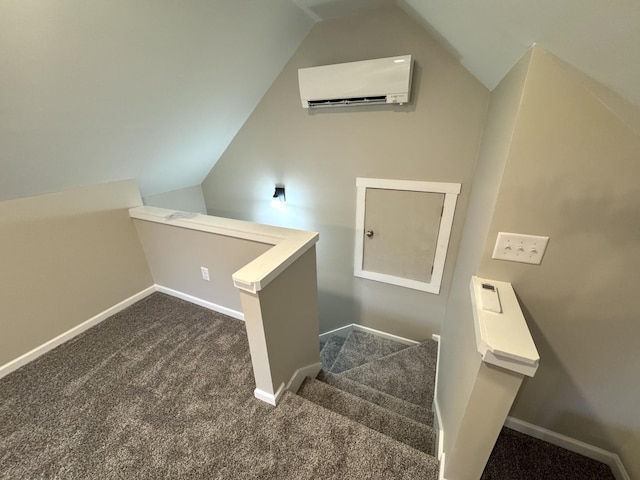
x=205, y=273
x=515, y=247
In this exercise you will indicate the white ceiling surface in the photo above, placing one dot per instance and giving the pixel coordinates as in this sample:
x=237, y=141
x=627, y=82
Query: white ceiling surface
x=148, y=89
x=156, y=89
x=599, y=37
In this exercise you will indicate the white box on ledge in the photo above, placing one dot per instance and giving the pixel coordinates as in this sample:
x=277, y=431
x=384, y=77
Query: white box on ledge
x=503, y=339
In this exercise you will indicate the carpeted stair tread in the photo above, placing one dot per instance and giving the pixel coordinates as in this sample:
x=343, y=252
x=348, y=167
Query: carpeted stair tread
x=408, y=374
x=403, y=429
x=330, y=351
x=361, y=347
x=381, y=456
x=395, y=404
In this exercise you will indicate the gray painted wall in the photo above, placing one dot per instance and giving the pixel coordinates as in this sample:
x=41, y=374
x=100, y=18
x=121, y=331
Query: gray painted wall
x=558, y=158
x=176, y=254
x=66, y=257
x=188, y=199
x=459, y=360
x=285, y=309
x=572, y=173
x=319, y=154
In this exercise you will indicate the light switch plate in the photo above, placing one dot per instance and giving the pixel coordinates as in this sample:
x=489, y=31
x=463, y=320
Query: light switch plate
x=515, y=247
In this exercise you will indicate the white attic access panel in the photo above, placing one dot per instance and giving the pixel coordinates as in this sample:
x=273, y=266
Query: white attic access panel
x=402, y=231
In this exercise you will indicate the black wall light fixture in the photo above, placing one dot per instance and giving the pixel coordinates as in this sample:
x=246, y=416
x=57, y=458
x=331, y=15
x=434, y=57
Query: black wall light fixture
x=279, y=194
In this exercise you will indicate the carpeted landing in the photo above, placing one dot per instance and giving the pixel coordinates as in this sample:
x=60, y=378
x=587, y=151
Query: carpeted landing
x=164, y=389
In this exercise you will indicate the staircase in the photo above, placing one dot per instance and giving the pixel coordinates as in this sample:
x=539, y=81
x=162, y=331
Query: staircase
x=384, y=385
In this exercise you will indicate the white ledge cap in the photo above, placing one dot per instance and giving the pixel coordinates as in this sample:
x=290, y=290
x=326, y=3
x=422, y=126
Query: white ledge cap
x=503, y=339
x=288, y=244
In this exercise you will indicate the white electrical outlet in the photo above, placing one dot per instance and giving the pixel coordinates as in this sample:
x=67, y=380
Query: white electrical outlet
x=515, y=247
x=205, y=273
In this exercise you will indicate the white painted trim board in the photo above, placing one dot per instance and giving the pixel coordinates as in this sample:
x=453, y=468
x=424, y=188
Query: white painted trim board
x=22, y=360
x=571, y=444
x=199, y=301
x=436, y=408
x=437, y=417
x=441, y=470
x=409, y=185
x=346, y=330
x=503, y=339
x=450, y=192
x=340, y=331
x=270, y=398
x=288, y=244
x=300, y=374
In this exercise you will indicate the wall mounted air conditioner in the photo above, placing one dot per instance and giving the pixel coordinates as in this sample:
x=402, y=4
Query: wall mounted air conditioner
x=369, y=82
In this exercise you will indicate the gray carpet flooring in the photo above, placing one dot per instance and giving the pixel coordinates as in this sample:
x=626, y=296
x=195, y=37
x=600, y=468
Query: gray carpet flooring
x=394, y=404
x=415, y=434
x=350, y=387
x=408, y=374
x=164, y=389
x=517, y=456
x=329, y=350
x=361, y=347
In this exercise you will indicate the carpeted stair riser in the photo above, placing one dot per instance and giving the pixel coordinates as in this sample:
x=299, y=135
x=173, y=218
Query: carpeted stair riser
x=403, y=429
x=408, y=374
x=362, y=347
x=415, y=412
x=330, y=351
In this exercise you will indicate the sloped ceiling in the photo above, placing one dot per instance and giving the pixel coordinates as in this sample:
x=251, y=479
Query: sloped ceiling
x=156, y=89
x=147, y=89
x=600, y=38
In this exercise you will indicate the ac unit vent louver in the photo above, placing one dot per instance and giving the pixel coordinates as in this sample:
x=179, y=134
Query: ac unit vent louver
x=344, y=102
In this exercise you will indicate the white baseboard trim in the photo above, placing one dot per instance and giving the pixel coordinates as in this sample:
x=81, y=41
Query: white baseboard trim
x=299, y=375
x=382, y=334
x=270, y=398
x=436, y=406
x=441, y=469
x=344, y=331
x=78, y=329
x=199, y=301
x=436, y=409
x=437, y=418
x=22, y=360
x=571, y=444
